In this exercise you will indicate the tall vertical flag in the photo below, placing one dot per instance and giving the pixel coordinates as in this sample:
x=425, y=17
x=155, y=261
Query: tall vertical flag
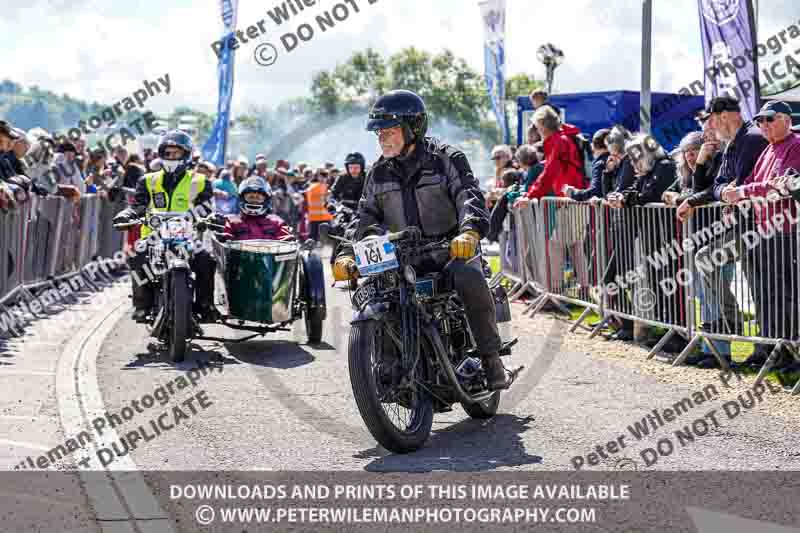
x=493, y=13
x=214, y=148
x=728, y=31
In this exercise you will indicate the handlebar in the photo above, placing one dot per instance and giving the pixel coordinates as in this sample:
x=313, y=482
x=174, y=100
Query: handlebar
x=128, y=225
x=201, y=224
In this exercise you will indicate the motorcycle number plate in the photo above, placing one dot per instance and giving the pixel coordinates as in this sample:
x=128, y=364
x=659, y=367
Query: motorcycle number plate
x=375, y=255
x=176, y=228
x=364, y=294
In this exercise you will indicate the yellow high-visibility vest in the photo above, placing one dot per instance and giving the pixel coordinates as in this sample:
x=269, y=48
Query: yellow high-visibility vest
x=182, y=198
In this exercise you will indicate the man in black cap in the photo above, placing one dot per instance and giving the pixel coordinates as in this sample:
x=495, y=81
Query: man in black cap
x=745, y=143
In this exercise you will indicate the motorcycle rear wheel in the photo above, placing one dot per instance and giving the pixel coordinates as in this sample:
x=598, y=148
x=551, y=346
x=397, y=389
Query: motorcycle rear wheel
x=364, y=359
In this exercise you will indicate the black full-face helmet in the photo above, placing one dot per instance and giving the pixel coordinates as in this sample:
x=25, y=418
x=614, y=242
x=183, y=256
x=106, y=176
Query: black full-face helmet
x=400, y=108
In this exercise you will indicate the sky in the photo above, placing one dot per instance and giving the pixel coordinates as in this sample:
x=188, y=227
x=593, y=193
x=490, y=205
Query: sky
x=103, y=50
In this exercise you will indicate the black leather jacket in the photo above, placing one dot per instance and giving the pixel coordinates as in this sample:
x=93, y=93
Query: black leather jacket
x=347, y=188
x=434, y=189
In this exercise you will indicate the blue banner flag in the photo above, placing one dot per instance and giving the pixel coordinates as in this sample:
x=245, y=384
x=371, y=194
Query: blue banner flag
x=728, y=32
x=493, y=13
x=214, y=148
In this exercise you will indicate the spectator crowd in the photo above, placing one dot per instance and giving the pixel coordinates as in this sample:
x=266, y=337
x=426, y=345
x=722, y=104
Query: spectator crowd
x=731, y=162
x=34, y=163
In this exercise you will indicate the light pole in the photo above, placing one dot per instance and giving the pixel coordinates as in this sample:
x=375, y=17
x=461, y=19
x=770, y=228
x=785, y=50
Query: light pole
x=551, y=57
x=647, y=54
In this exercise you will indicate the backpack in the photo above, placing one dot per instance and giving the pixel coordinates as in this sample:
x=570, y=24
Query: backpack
x=584, y=148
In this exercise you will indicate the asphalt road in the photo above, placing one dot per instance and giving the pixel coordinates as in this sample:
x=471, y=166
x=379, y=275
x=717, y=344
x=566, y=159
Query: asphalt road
x=279, y=405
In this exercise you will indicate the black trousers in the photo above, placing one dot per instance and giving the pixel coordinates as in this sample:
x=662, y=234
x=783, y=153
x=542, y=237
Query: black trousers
x=202, y=264
x=772, y=271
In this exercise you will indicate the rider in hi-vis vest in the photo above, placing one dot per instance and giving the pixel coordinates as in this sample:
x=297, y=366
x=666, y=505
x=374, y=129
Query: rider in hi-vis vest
x=172, y=189
x=182, y=198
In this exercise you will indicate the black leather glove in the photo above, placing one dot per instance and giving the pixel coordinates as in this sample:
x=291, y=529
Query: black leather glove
x=126, y=216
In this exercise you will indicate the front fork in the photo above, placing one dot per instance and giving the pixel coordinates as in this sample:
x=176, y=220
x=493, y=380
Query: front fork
x=410, y=330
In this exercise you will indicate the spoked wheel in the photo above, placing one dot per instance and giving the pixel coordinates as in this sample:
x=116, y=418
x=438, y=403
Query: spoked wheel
x=181, y=315
x=400, y=419
x=485, y=409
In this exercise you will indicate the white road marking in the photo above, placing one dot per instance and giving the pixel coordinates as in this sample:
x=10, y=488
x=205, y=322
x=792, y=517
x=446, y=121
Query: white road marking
x=79, y=401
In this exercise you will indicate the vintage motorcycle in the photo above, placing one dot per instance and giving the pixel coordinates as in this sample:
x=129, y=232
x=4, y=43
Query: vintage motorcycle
x=169, y=250
x=263, y=286
x=411, y=351
x=343, y=214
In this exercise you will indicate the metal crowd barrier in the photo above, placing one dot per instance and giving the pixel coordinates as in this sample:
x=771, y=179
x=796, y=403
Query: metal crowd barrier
x=746, y=278
x=48, y=239
x=565, y=259
x=719, y=277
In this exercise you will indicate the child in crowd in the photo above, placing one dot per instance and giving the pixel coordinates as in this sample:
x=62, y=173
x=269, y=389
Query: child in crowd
x=255, y=220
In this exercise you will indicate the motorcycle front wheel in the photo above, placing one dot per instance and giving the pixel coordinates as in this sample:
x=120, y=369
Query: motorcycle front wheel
x=400, y=421
x=181, y=315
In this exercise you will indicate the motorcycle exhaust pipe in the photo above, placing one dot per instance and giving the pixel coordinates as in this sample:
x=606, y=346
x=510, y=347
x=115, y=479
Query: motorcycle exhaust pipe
x=436, y=341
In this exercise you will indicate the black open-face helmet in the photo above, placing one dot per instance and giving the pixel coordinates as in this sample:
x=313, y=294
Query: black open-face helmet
x=355, y=159
x=400, y=108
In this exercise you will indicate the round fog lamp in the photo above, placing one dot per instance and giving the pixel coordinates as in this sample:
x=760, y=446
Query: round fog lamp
x=154, y=222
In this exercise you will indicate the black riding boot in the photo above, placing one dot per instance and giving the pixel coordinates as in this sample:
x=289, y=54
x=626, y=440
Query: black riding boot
x=142, y=301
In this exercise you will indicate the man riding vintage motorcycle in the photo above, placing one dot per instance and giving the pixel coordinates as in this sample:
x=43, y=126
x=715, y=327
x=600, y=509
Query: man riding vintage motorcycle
x=422, y=182
x=174, y=188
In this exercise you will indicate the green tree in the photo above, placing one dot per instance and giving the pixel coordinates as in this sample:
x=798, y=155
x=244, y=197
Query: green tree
x=325, y=91
x=521, y=85
x=451, y=89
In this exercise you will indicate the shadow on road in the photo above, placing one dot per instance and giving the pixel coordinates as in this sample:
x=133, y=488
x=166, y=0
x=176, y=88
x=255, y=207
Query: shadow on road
x=273, y=354
x=467, y=446
x=197, y=357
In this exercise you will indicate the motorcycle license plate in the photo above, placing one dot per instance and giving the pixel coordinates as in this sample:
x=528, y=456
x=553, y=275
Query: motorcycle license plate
x=364, y=294
x=176, y=228
x=375, y=255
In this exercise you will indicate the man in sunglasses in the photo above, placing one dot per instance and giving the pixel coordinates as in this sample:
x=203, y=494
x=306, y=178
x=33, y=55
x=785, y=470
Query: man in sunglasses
x=420, y=181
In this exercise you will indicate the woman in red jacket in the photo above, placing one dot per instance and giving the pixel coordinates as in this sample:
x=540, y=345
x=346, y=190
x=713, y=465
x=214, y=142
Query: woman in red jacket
x=563, y=165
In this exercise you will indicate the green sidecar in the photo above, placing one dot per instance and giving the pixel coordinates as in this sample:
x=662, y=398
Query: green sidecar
x=264, y=286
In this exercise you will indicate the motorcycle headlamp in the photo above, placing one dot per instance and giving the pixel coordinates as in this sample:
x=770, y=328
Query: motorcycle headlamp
x=410, y=274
